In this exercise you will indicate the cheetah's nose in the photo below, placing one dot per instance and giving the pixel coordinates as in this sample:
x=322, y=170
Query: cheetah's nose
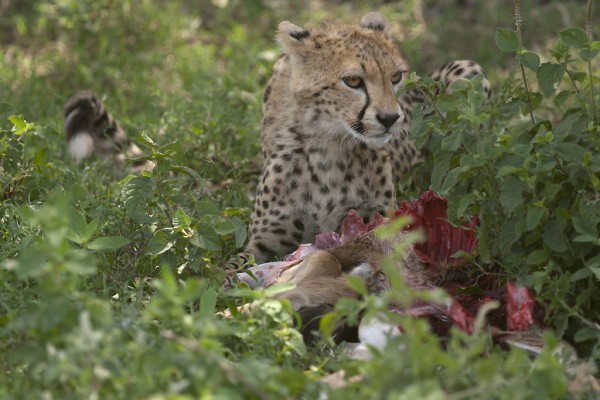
x=387, y=119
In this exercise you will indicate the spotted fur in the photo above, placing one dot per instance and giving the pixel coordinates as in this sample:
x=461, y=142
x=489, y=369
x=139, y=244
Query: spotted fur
x=334, y=135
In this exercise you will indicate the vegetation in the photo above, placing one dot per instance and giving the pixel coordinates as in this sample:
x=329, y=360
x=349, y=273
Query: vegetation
x=109, y=286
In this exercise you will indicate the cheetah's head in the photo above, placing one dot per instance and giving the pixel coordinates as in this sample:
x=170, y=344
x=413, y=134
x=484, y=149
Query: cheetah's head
x=345, y=78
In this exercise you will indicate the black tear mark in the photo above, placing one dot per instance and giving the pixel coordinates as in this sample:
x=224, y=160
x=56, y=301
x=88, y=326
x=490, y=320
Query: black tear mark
x=362, y=112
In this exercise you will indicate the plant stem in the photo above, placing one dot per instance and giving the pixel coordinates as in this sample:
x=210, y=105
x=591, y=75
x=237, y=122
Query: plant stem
x=588, y=28
x=527, y=94
x=518, y=24
x=592, y=92
x=572, y=81
x=573, y=313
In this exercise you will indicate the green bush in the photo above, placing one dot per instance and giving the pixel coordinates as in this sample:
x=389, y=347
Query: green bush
x=529, y=166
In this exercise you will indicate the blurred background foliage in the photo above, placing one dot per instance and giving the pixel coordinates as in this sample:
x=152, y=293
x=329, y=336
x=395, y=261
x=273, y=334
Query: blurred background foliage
x=144, y=53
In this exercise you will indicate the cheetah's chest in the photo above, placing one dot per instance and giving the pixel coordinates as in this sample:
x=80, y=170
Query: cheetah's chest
x=336, y=182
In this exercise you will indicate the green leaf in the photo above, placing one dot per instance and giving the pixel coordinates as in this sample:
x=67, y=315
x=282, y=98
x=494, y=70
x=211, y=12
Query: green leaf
x=20, y=126
x=77, y=225
x=549, y=75
x=507, y=170
x=208, y=300
x=225, y=226
x=507, y=40
x=570, y=152
x=206, y=239
x=578, y=76
x=145, y=139
x=476, y=99
x=207, y=207
x=587, y=333
x=79, y=231
x=136, y=192
x=458, y=86
x=279, y=288
x=417, y=130
x=357, y=284
x=108, y=243
x=562, y=97
x=585, y=238
x=588, y=54
x=158, y=244
x=511, y=194
x=464, y=203
x=537, y=257
x=175, y=153
x=585, y=223
x=550, y=191
x=452, y=142
x=570, y=125
x=242, y=291
x=6, y=110
x=188, y=171
x=535, y=99
x=593, y=262
x=452, y=179
x=328, y=324
x=181, y=220
x=241, y=231
x=560, y=51
x=581, y=274
x=447, y=106
x=91, y=229
x=574, y=37
x=441, y=165
x=41, y=157
x=530, y=60
x=553, y=235
x=534, y=216
x=30, y=264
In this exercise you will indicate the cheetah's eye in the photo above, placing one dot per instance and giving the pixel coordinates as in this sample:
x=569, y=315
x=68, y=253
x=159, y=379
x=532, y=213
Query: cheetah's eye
x=354, y=81
x=396, y=78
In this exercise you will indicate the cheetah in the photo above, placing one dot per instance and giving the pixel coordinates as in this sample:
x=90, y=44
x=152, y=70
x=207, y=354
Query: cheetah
x=334, y=133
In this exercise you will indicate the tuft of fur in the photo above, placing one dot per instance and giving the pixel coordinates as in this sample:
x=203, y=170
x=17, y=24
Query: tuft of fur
x=81, y=146
x=91, y=129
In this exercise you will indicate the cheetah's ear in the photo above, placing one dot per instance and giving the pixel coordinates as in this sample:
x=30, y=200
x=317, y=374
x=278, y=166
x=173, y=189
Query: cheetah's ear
x=291, y=36
x=374, y=21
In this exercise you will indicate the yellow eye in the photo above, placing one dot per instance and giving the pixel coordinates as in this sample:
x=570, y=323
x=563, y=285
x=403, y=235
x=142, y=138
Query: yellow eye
x=354, y=81
x=396, y=78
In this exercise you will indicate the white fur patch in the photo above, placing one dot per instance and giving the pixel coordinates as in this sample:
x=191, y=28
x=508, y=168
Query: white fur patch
x=376, y=332
x=81, y=146
x=372, y=333
x=363, y=270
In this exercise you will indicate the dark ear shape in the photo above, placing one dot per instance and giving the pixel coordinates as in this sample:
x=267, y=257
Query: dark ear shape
x=374, y=21
x=291, y=37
